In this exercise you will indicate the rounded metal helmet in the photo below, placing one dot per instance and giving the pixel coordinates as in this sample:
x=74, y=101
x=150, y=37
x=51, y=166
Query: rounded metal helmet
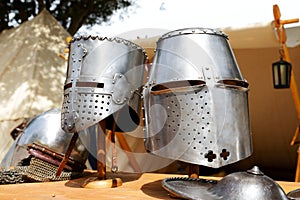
x=39, y=149
x=247, y=185
x=196, y=100
x=105, y=75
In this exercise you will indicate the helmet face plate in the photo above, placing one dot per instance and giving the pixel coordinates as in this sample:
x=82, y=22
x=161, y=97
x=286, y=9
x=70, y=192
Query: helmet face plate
x=104, y=76
x=196, y=100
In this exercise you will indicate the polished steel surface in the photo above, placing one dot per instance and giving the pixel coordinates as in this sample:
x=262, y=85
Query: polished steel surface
x=247, y=185
x=45, y=130
x=104, y=76
x=294, y=194
x=196, y=100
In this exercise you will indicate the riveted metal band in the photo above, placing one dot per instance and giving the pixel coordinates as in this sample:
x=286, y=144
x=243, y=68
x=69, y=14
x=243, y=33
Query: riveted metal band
x=110, y=39
x=186, y=31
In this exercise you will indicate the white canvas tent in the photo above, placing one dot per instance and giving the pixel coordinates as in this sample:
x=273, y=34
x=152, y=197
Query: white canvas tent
x=31, y=72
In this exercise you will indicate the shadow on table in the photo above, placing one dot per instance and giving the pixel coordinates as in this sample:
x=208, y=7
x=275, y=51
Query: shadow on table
x=79, y=182
x=155, y=190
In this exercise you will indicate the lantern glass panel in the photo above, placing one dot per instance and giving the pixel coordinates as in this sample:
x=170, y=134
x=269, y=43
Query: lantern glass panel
x=275, y=75
x=281, y=74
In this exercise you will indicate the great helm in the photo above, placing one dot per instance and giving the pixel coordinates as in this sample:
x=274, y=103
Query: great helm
x=105, y=75
x=39, y=149
x=196, y=100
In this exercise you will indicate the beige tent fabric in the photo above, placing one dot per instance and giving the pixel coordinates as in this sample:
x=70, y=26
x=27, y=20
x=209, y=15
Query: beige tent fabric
x=293, y=34
x=253, y=36
x=273, y=116
x=31, y=72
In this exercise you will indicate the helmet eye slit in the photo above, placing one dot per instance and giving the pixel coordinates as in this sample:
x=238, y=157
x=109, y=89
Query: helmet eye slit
x=234, y=83
x=177, y=86
x=90, y=84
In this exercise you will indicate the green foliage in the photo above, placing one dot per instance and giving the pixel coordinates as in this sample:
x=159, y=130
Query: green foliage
x=71, y=14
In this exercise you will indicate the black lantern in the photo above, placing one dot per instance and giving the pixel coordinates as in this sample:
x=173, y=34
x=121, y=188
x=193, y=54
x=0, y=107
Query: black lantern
x=281, y=74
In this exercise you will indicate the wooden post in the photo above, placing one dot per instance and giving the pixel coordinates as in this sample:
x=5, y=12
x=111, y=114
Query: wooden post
x=101, y=151
x=67, y=154
x=279, y=24
x=101, y=180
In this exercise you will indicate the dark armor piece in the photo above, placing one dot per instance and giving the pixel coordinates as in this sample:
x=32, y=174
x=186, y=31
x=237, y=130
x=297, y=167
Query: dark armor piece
x=249, y=185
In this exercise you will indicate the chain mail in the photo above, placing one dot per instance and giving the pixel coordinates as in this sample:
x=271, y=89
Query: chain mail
x=10, y=177
x=33, y=169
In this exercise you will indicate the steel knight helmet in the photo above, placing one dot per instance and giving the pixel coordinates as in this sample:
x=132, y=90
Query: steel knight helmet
x=105, y=75
x=40, y=147
x=196, y=100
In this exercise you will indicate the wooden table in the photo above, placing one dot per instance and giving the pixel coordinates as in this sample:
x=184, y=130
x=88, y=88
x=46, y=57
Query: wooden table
x=135, y=186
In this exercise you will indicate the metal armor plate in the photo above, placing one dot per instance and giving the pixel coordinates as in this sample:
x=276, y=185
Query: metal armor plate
x=196, y=100
x=105, y=75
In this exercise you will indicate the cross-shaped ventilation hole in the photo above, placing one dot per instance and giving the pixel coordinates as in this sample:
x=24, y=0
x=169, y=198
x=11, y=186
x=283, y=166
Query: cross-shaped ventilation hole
x=210, y=156
x=224, y=154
